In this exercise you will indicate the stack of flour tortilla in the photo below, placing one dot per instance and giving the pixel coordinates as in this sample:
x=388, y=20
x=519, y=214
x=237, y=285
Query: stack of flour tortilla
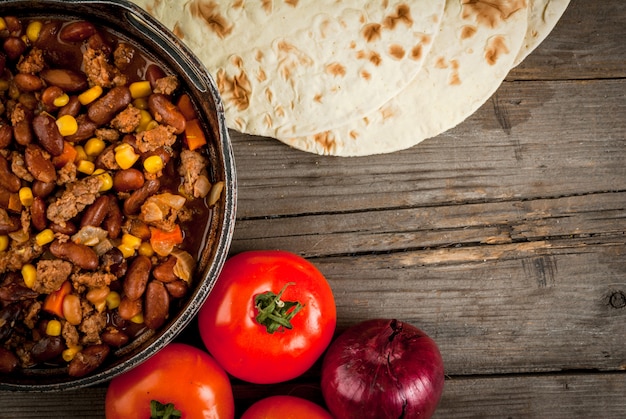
x=356, y=77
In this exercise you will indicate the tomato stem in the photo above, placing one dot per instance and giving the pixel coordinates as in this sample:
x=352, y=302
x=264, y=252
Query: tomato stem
x=274, y=313
x=159, y=410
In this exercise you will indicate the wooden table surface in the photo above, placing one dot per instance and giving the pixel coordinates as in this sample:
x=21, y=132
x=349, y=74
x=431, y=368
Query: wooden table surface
x=503, y=238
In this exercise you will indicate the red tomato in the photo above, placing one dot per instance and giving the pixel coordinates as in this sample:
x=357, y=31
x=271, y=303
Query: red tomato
x=285, y=407
x=243, y=346
x=180, y=374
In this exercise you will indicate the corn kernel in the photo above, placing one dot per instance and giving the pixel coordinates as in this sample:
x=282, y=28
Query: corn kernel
x=26, y=196
x=4, y=85
x=53, y=328
x=44, y=237
x=4, y=242
x=144, y=121
x=33, y=30
x=141, y=103
x=90, y=95
x=137, y=318
x=70, y=353
x=145, y=249
x=140, y=89
x=131, y=241
x=80, y=153
x=62, y=100
x=127, y=251
x=94, y=146
x=113, y=300
x=153, y=164
x=107, y=181
x=29, y=274
x=85, y=166
x=3, y=24
x=67, y=125
x=125, y=156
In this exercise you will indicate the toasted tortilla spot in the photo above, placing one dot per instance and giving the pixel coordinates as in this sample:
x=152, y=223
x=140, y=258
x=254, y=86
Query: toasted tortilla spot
x=336, y=69
x=327, y=141
x=397, y=52
x=491, y=13
x=441, y=63
x=402, y=15
x=236, y=89
x=496, y=47
x=178, y=31
x=467, y=32
x=417, y=52
x=366, y=75
x=372, y=32
x=261, y=76
x=207, y=12
x=293, y=3
x=290, y=58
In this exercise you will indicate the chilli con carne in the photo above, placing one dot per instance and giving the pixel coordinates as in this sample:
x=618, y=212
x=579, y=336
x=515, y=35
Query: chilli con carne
x=103, y=174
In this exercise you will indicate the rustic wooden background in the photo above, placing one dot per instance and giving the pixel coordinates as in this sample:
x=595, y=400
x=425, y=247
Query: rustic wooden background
x=503, y=238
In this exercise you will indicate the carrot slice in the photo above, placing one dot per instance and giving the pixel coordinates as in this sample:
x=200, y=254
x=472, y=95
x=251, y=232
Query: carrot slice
x=194, y=135
x=186, y=108
x=54, y=301
x=163, y=241
x=67, y=155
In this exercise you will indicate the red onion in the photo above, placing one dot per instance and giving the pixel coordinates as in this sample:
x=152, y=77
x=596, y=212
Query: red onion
x=381, y=369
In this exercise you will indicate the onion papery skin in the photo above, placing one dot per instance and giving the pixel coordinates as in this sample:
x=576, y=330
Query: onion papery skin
x=382, y=368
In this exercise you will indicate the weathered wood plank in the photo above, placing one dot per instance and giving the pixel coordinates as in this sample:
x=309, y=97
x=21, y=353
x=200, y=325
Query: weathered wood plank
x=531, y=140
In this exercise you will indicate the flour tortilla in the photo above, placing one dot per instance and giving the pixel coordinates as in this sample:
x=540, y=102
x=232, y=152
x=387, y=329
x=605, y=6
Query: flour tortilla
x=543, y=17
x=471, y=55
x=293, y=68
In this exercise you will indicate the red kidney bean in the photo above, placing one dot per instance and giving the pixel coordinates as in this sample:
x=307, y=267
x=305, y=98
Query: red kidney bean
x=153, y=73
x=68, y=229
x=133, y=203
x=8, y=361
x=80, y=255
x=22, y=132
x=177, y=289
x=88, y=360
x=10, y=293
x=77, y=31
x=38, y=213
x=97, y=42
x=8, y=224
x=159, y=104
x=113, y=220
x=138, y=228
x=86, y=129
x=14, y=47
x=8, y=179
x=113, y=261
x=114, y=337
x=94, y=214
x=129, y=308
x=68, y=80
x=6, y=135
x=104, y=109
x=164, y=271
x=27, y=82
x=50, y=94
x=47, y=132
x=156, y=305
x=14, y=25
x=47, y=348
x=42, y=189
x=71, y=108
x=38, y=165
x=8, y=315
x=128, y=180
x=137, y=277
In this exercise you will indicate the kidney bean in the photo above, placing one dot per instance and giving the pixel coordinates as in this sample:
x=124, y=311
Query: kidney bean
x=8, y=361
x=8, y=316
x=14, y=47
x=50, y=94
x=22, y=132
x=137, y=277
x=71, y=108
x=79, y=254
x=8, y=179
x=159, y=104
x=77, y=31
x=105, y=108
x=161, y=152
x=95, y=213
x=86, y=129
x=153, y=73
x=164, y=272
x=38, y=213
x=113, y=261
x=8, y=224
x=72, y=310
x=114, y=337
x=13, y=25
x=133, y=203
x=97, y=42
x=113, y=220
x=68, y=80
x=129, y=308
x=6, y=135
x=42, y=189
x=128, y=180
x=138, y=228
x=27, y=82
x=12, y=292
x=68, y=229
x=47, y=348
x=88, y=360
x=48, y=134
x=156, y=305
x=38, y=165
x=177, y=289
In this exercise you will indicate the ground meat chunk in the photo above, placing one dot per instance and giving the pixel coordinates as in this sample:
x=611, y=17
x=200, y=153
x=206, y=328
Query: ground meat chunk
x=127, y=120
x=70, y=334
x=91, y=326
x=166, y=85
x=19, y=113
x=51, y=274
x=32, y=63
x=75, y=198
x=92, y=280
x=123, y=55
x=18, y=255
x=160, y=136
x=31, y=314
x=193, y=170
x=99, y=71
x=107, y=134
x=106, y=159
x=67, y=174
x=18, y=167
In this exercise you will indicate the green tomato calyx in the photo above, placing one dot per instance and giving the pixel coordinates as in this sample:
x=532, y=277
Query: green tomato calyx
x=159, y=410
x=274, y=313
